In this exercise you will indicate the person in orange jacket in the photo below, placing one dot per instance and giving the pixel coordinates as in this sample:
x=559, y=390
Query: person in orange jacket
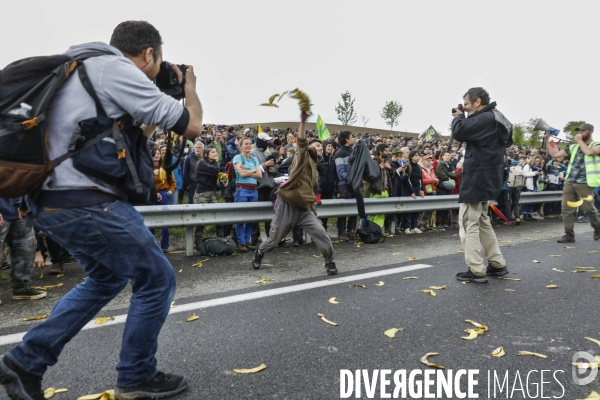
x=165, y=186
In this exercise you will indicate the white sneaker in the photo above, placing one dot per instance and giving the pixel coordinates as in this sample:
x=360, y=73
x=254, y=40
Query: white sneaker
x=416, y=230
x=407, y=231
x=537, y=216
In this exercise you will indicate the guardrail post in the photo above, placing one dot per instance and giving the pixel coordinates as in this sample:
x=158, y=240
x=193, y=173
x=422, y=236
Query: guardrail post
x=189, y=241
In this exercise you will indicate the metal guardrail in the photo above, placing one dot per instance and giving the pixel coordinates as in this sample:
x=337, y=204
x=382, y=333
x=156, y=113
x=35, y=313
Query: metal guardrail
x=191, y=215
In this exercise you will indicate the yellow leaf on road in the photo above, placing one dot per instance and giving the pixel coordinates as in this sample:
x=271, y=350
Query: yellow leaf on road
x=264, y=280
x=510, y=290
x=411, y=258
x=499, y=352
x=192, y=318
x=585, y=268
x=593, y=340
x=410, y=277
x=593, y=252
x=425, y=360
x=477, y=324
x=554, y=286
x=197, y=265
x=391, y=333
x=107, y=395
x=103, y=320
x=472, y=334
x=438, y=287
x=536, y=261
x=530, y=353
x=557, y=270
x=396, y=254
x=360, y=285
x=381, y=283
x=250, y=370
x=595, y=276
x=555, y=255
x=180, y=271
x=332, y=300
x=316, y=256
x=593, y=396
x=172, y=304
x=509, y=279
x=322, y=316
x=39, y=317
x=461, y=251
x=569, y=247
x=428, y=291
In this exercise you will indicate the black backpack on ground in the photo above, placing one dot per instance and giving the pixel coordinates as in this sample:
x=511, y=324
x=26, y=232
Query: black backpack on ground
x=372, y=234
x=217, y=246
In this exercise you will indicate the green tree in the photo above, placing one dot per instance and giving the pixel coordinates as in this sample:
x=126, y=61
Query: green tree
x=390, y=113
x=533, y=137
x=345, y=110
x=569, y=129
x=365, y=120
x=518, y=134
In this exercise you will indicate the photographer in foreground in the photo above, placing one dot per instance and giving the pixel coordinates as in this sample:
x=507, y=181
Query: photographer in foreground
x=581, y=178
x=487, y=134
x=93, y=220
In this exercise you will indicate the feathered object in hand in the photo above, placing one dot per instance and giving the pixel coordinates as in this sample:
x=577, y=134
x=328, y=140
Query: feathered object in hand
x=271, y=100
x=303, y=100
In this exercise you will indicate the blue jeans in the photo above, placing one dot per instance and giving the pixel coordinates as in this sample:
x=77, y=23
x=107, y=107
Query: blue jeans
x=114, y=246
x=165, y=233
x=244, y=231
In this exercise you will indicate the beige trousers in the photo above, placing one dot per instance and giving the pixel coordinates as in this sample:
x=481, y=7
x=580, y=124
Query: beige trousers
x=476, y=232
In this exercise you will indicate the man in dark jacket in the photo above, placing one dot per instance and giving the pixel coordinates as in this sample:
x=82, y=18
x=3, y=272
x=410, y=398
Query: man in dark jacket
x=346, y=231
x=487, y=134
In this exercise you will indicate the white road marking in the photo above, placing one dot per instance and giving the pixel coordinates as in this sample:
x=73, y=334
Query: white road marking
x=120, y=319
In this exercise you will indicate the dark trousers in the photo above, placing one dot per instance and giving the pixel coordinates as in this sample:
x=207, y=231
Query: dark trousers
x=264, y=194
x=511, y=198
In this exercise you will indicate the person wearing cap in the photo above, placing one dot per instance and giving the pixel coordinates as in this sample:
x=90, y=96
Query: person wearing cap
x=583, y=175
x=266, y=183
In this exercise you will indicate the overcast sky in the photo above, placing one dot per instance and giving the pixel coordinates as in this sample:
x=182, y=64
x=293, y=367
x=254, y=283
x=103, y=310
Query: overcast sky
x=536, y=58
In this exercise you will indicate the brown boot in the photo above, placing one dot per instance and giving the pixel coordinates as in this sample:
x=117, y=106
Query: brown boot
x=242, y=248
x=597, y=234
x=57, y=269
x=567, y=239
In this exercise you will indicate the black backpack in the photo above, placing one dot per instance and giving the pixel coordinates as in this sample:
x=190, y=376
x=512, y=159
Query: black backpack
x=217, y=246
x=372, y=234
x=24, y=159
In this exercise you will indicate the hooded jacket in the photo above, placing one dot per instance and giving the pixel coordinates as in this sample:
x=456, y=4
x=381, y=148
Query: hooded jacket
x=122, y=89
x=300, y=189
x=261, y=154
x=487, y=134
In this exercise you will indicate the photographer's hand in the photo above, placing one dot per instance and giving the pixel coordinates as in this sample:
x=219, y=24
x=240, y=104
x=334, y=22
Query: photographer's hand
x=192, y=103
x=457, y=112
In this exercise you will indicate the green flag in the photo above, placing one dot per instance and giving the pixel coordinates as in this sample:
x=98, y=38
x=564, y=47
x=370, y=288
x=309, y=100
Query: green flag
x=322, y=129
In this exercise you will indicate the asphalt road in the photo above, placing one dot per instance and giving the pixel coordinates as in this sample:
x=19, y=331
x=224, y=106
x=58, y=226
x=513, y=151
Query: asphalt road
x=243, y=324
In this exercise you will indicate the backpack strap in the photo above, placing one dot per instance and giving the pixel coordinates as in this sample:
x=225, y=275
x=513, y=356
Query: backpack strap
x=87, y=84
x=118, y=136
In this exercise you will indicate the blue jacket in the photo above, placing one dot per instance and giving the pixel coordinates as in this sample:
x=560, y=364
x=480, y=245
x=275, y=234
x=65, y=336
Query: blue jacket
x=342, y=166
x=9, y=211
x=232, y=148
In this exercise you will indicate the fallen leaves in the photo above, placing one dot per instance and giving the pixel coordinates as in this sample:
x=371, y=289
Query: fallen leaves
x=530, y=353
x=554, y=286
x=593, y=252
x=425, y=360
x=316, y=255
x=555, y=255
x=593, y=340
x=50, y=392
x=410, y=277
x=411, y=258
x=536, y=261
x=107, y=395
x=569, y=247
x=396, y=254
x=509, y=279
x=391, y=333
x=595, y=276
x=510, y=290
x=438, y=287
x=381, y=283
x=193, y=317
x=48, y=287
x=322, y=316
x=103, y=320
x=37, y=318
x=197, y=265
x=333, y=301
x=557, y=270
x=499, y=352
x=428, y=291
x=473, y=333
x=250, y=370
x=593, y=396
x=359, y=285
x=264, y=280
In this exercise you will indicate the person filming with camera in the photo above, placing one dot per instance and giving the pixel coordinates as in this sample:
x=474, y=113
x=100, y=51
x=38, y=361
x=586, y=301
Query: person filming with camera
x=95, y=221
x=487, y=133
x=583, y=175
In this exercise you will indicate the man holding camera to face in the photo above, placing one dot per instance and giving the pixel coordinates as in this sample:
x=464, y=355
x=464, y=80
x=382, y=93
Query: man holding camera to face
x=96, y=223
x=487, y=134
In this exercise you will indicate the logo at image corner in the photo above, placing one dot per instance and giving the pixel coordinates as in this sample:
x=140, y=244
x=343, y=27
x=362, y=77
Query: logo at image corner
x=580, y=373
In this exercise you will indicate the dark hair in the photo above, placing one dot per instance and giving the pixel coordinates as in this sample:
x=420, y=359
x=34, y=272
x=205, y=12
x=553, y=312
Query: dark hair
x=133, y=37
x=478, y=93
x=206, y=152
x=412, y=154
x=344, y=136
x=510, y=154
x=380, y=148
x=230, y=129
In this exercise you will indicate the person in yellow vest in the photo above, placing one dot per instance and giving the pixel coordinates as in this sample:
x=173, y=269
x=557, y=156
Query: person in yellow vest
x=583, y=175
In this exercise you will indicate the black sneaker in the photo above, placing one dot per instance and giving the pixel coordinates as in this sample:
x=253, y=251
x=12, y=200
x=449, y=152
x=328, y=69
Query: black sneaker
x=283, y=244
x=161, y=386
x=470, y=277
x=330, y=267
x=295, y=243
x=493, y=271
x=28, y=293
x=19, y=384
x=257, y=260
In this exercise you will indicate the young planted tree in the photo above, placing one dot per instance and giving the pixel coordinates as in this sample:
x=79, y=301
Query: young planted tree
x=391, y=113
x=365, y=120
x=569, y=129
x=345, y=110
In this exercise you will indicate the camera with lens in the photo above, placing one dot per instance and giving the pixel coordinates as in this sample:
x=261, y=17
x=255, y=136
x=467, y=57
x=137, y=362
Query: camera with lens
x=168, y=82
x=460, y=107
